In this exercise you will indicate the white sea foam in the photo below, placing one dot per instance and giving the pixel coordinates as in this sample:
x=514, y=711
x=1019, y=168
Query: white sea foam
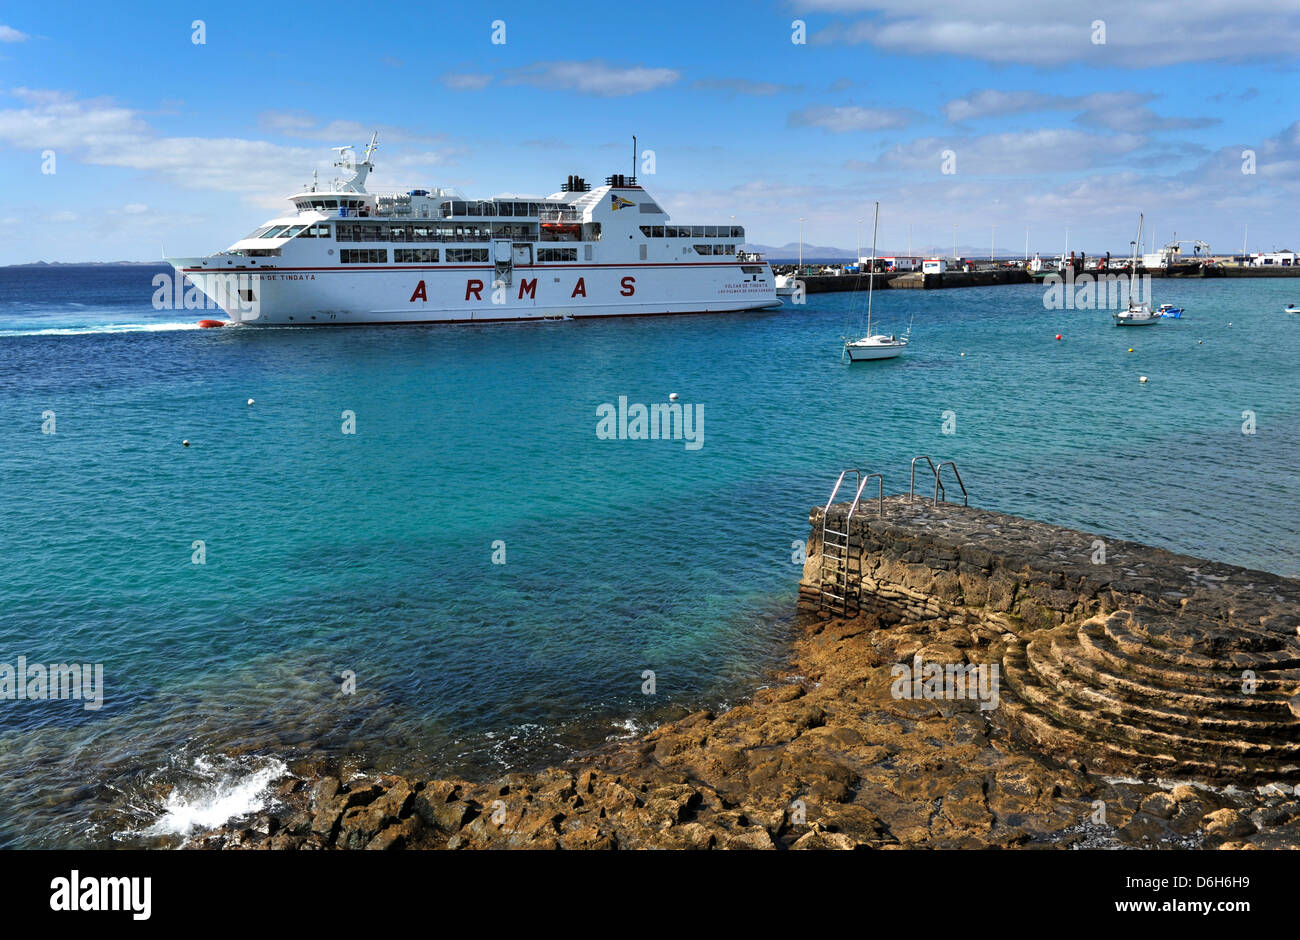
x=222, y=790
x=103, y=328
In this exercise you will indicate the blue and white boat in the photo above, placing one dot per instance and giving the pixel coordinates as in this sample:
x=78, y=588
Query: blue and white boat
x=1170, y=310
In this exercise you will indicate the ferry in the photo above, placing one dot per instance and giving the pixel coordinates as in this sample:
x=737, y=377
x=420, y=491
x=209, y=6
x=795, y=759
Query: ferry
x=347, y=256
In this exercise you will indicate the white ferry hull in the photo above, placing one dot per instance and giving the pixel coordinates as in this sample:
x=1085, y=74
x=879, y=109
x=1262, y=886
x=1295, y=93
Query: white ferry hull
x=347, y=256
x=286, y=297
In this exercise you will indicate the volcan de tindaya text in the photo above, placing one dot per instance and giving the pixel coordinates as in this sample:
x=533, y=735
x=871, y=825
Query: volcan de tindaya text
x=346, y=256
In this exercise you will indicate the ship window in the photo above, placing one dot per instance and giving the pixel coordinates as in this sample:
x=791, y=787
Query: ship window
x=737, y=231
x=704, y=249
x=651, y=207
x=467, y=255
x=557, y=254
x=658, y=231
x=273, y=231
x=399, y=233
x=474, y=208
x=322, y=230
x=294, y=230
x=505, y=208
x=643, y=251
x=415, y=255
x=586, y=250
x=697, y=231
x=363, y=255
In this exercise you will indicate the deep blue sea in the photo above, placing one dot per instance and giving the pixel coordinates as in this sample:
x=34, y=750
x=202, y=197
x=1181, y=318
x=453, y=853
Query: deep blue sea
x=372, y=553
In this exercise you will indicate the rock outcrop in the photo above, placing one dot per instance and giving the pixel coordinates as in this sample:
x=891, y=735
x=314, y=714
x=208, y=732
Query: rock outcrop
x=1141, y=701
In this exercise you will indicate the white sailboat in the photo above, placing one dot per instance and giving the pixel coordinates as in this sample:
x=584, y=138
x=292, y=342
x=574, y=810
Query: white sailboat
x=1139, y=313
x=876, y=346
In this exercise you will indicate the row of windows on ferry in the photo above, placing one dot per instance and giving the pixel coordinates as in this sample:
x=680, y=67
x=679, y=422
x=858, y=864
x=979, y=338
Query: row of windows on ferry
x=693, y=231
x=431, y=255
x=497, y=208
x=386, y=232
x=376, y=232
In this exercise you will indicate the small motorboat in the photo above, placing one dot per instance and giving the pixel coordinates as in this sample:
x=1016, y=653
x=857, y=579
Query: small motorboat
x=1292, y=308
x=1169, y=310
x=211, y=324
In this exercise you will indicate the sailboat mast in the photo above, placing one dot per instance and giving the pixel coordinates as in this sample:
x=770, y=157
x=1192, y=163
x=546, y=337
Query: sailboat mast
x=871, y=274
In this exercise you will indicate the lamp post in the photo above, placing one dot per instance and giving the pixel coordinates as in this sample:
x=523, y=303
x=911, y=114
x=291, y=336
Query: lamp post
x=801, y=247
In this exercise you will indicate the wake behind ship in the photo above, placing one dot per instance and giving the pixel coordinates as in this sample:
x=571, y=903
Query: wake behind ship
x=346, y=256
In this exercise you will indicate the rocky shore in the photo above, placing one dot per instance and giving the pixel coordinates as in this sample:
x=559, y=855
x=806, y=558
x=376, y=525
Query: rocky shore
x=861, y=744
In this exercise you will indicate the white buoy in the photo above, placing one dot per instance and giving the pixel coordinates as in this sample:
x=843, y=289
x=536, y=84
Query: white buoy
x=185, y=443
x=250, y=401
x=672, y=396
x=1142, y=379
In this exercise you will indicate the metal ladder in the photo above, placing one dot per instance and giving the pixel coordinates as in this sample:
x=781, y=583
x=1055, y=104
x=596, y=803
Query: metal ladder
x=841, y=568
x=940, y=493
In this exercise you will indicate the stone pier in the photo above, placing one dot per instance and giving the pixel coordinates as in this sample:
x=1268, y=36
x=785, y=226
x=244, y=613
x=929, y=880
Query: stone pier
x=1134, y=660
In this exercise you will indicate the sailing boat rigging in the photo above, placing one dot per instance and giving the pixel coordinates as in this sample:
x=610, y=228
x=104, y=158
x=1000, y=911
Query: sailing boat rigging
x=1139, y=313
x=878, y=346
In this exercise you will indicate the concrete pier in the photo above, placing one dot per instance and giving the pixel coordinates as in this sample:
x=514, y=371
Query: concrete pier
x=1136, y=660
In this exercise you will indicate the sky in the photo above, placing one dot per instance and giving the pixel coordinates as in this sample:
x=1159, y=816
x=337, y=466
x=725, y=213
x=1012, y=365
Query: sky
x=123, y=137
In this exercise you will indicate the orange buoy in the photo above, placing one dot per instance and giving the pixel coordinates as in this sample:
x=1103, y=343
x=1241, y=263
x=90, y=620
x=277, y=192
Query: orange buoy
x=208, y=324
x=1058, y=335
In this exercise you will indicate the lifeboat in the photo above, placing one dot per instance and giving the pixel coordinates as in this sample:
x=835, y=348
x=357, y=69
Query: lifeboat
x=209, y=324
x=563, y=230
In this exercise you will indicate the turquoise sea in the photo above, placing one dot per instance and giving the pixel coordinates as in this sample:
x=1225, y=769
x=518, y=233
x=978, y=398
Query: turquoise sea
x=371, y=553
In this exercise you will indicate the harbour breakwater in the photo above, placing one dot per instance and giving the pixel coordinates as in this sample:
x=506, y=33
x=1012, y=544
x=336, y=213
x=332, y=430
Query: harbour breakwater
x=915, y=280
x=1001, y=683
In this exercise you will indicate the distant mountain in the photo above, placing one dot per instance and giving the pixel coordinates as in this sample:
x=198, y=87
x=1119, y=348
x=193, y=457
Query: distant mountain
x=78, y=264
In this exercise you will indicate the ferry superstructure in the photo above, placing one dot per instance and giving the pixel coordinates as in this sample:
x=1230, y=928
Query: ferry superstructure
x=346, y=256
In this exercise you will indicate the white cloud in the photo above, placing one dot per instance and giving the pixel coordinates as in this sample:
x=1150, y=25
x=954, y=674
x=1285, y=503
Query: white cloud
x=1118, y=111
x=840, y=120
x=1035, y=152
x=9, y=34
x=593, y=77
x=992, y=102
x=466, y=81
x=741, y=86
x=101, y=132
x=1138, y=35
x=310, y=127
